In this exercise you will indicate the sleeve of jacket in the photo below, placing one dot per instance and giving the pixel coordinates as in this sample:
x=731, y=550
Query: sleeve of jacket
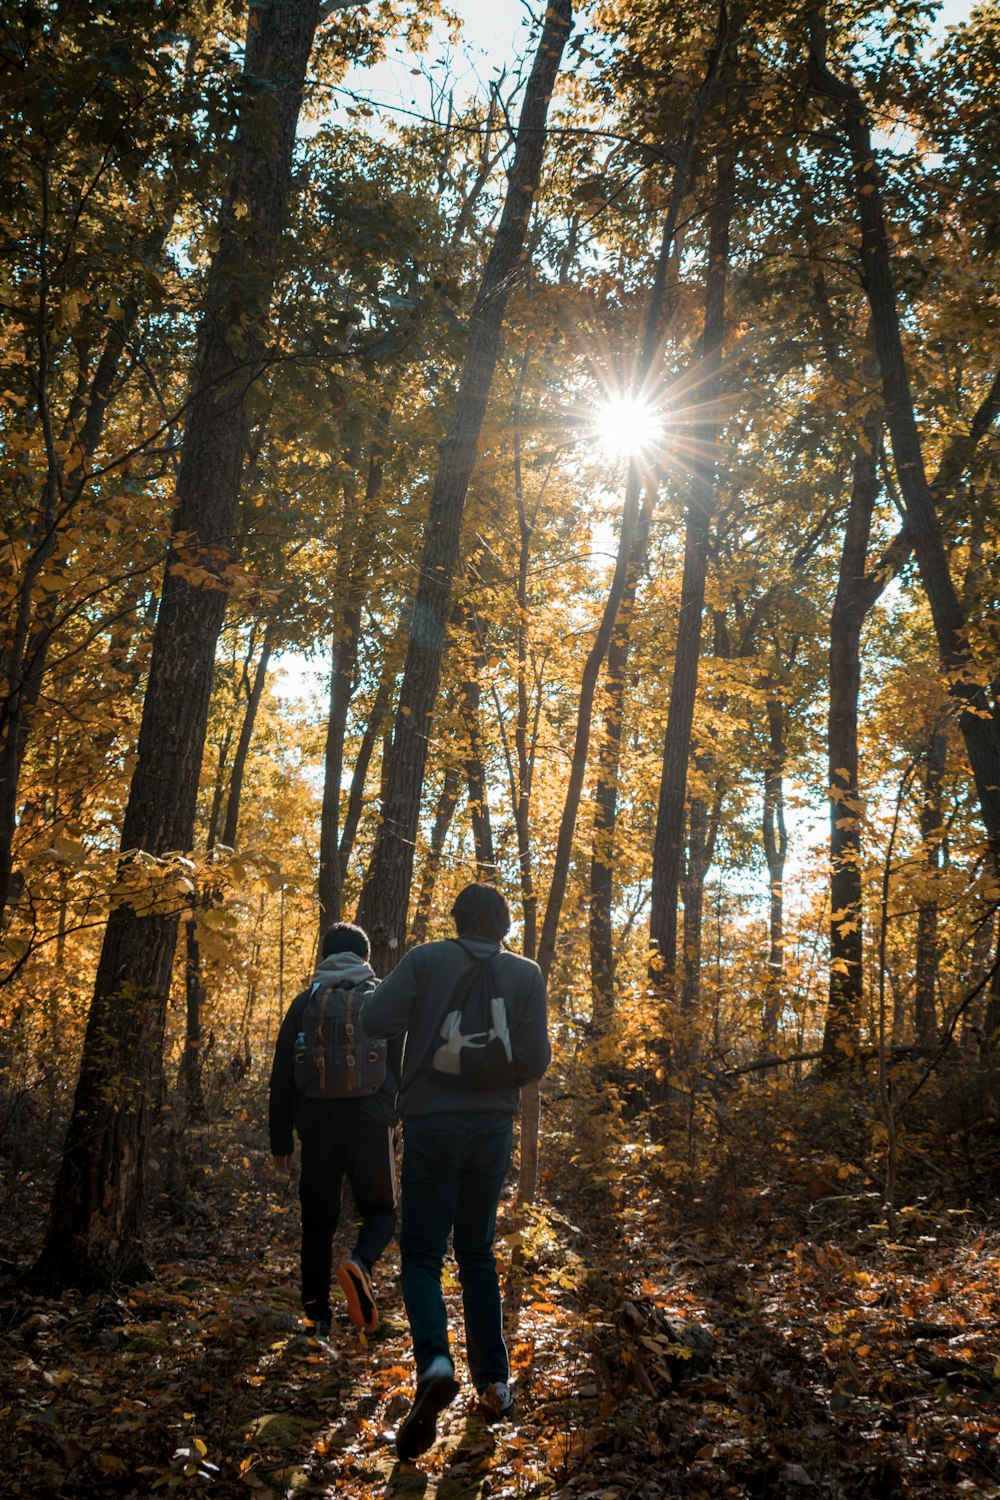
x=281, y=1096
x=388, y=1009
x=530, y=1031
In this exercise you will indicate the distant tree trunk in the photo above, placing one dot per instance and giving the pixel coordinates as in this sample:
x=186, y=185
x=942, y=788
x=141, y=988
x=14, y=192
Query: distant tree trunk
x=703, y=828
x=668, y=839
x=775, y=852
x=356, y=794
x=447, y=802
x=658, y=313
x=524, y=734
x=584, y=720
x=932, y=837
x=254, y=692
x=965, y=679
x=384, y=901
x=853, y=600
x=189, y=1075
x=475, y=776
x=353, y=563
x=95, y=1228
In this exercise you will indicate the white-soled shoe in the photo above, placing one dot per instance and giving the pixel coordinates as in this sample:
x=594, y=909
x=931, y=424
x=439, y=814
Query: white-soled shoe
x=496, y=1402
x=436, y=1389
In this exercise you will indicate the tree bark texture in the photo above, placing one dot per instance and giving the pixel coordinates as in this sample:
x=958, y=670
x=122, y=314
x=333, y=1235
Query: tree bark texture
x=979, y=728
x=384, y=901
x=668, y=840
x=95, y=1228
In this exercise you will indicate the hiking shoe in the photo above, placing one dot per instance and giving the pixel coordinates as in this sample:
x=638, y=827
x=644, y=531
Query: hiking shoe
x=496, y=1403
x=357, y=1288
x=436, y=1389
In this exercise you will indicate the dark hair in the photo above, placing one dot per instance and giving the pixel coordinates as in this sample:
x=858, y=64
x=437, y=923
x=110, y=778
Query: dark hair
x=481, y=911
x=343, y=937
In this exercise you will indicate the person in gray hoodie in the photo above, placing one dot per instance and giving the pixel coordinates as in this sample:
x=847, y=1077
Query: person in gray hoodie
x=352, y=1138
x=456, y=1148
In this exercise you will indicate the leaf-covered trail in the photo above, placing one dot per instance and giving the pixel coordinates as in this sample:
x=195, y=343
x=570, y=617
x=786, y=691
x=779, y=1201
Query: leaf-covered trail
x=831, y=1363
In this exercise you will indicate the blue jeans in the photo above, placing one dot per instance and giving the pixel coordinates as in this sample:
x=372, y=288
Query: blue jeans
x=454, y=1166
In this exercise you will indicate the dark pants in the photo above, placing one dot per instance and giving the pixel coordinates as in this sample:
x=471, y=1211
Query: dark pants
x=363, y=1152
x=454, y=1166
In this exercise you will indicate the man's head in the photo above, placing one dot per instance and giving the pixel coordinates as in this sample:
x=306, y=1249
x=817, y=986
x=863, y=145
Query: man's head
x=342, y=937
x=481, y=911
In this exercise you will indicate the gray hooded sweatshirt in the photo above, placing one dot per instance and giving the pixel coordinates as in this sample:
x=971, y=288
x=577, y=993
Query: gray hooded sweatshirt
x=413, y=1001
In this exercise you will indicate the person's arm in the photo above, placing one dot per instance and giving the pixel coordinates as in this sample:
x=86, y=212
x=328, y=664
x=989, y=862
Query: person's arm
x=388, y=1008
x=530, y=1032
x=281, y=1095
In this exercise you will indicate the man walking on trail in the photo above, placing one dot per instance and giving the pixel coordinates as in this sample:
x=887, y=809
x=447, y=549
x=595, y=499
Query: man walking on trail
x=460, y=1090
x=352, y=1137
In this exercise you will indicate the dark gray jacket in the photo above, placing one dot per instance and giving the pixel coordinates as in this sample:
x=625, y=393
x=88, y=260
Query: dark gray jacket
x=414, y=999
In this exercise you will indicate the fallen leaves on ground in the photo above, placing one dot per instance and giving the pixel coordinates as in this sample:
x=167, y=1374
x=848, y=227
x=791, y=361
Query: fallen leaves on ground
x=652, y=1356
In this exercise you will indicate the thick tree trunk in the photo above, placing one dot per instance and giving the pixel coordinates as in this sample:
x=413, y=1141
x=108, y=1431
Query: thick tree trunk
x=965, y=679
x=95, y=1228
x=932, y=838
x=385, y=898
x=668, y=841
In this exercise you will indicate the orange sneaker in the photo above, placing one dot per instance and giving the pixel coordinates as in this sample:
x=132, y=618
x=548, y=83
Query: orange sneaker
x=357, y=1288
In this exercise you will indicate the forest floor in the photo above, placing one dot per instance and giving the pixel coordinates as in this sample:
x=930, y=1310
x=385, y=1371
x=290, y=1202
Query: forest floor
x=767, y=1340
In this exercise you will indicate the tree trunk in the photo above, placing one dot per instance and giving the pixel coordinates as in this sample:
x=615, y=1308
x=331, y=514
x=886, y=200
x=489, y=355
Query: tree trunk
x=356, y=794
x=525, y=737
x=584, y=720
x=254, y=691
x=965, y=680
x=932, y=837
x=853, y=600
x=775, y=852
x=95, y=1229
x=385, y=898
x=703, y=828
x=602, y=957
x=353, y=562
x=475, y=777
x=195, y=992
x=668, y=839
x=447, y=802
